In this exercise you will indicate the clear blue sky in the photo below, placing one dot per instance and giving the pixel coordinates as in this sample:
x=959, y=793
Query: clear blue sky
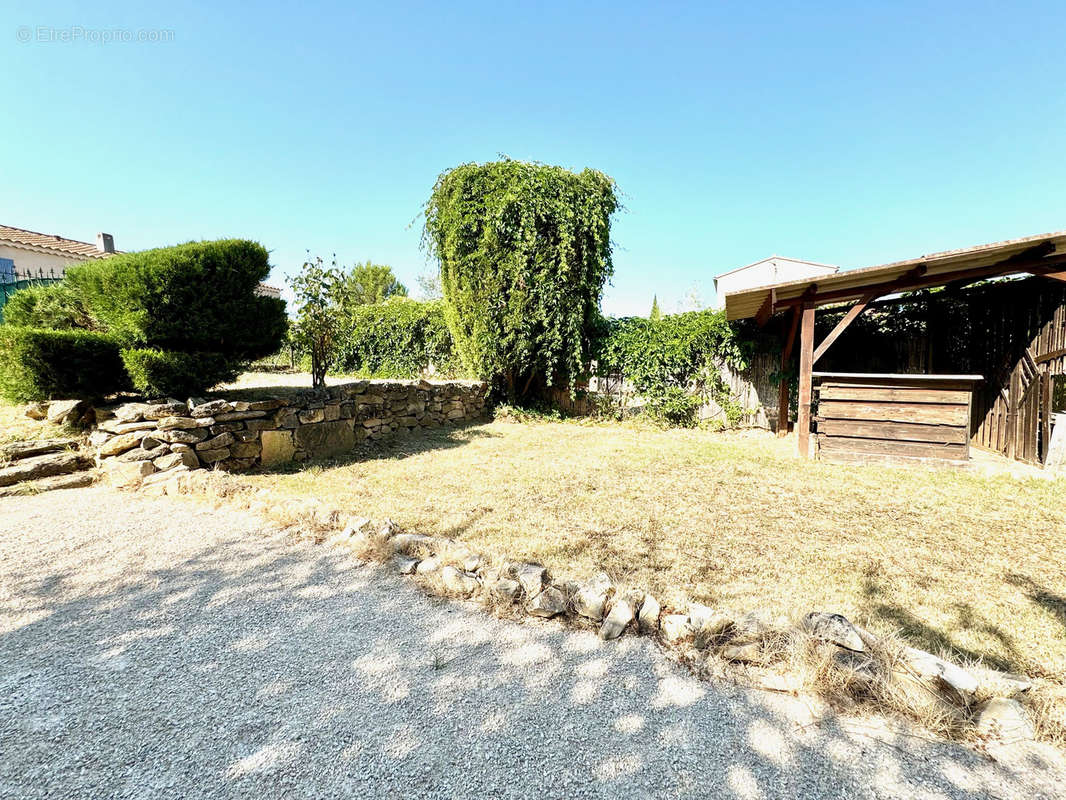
x=837, y=133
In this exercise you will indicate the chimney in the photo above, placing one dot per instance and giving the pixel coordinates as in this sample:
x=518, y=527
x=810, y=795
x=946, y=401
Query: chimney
x=105, y=243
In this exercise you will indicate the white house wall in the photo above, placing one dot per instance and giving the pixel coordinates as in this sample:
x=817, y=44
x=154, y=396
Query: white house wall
x=31, y=261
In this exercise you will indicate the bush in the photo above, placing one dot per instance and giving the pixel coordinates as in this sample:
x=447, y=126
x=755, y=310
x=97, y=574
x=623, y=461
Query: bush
x=161, y=373
x=192, y=298
x=54, y=306
x=400, y=338
x=524, y=253
x=673, y=362
x=40, y=364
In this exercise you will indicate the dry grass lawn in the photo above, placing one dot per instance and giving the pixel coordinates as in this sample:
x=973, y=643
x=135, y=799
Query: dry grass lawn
x=959, y=563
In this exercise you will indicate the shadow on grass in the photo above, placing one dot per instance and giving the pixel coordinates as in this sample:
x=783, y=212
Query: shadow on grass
x=249, y=667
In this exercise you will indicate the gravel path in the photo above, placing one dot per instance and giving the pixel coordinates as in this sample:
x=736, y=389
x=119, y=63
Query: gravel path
x=156, y=648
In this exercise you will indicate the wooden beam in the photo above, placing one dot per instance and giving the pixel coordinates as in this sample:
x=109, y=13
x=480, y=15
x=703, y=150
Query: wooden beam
x=1056, y=276
x=803, y=421
x=1050, y=356
x=842, y=326
x=911, y=281
x=786, y=359
x=767, y=309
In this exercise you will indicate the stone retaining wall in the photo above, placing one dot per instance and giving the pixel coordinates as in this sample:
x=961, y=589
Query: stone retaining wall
x=136, y=440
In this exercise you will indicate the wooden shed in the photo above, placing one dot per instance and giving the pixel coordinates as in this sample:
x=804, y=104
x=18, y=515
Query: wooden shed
x=1025, y=342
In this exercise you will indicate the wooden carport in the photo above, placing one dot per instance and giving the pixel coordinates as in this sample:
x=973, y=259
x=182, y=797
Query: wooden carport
x=1042, y=255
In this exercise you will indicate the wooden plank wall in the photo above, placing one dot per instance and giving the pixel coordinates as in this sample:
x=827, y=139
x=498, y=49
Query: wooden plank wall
x=894, y=420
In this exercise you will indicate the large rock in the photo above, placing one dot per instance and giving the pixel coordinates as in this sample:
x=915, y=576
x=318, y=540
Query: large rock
x=505, y=589
x=185, y=423
x=648, y=618
x=179, y=436
x=209, y=408
x=748, y=653
x=412, y=544
x=278, y=447
x=37, y=411
x=127, y=474
x=13, y=451
x=171, y=460
x=532, y=577
x=74, y=480
x=548, y=603
x=708, y=623
x=591, y=599
x=171, y=408
x=66, y=412
x=1004, y=719
x=216, y=442
x=325, y=438
x=835, y=629
x=675, y=628
x=130, y=412
x=43, y=466
x=211, y=456
x=1001, y=684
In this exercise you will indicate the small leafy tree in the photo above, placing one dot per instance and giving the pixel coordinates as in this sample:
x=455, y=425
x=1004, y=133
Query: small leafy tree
x=318, y=321
x=524, y=252
x=366, y=284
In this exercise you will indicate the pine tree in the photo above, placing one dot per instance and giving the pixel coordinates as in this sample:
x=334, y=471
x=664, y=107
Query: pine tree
x=656, y=314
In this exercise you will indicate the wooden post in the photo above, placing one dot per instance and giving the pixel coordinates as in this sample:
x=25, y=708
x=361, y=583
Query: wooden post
x=786, y=359
x=803, y=421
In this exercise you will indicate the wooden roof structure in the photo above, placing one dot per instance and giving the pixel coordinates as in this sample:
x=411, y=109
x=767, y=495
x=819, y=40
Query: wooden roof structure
x=1042, y=255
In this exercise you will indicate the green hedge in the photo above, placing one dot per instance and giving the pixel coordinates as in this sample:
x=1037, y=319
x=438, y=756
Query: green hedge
x=671, y=361
x=54, y=306
x=160, y=373
x=40, y=364
x=399, y=338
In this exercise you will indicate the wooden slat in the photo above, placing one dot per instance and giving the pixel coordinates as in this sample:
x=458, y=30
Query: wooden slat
x=903, y=431
x=842, y=444
x=893, y=394
x=803, y=419
x=925, y=413
x=842, y=326
x=879, y=459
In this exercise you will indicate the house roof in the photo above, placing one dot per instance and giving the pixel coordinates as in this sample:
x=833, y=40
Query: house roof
x=829, y=267
x=1041, y=252
x=31, y=240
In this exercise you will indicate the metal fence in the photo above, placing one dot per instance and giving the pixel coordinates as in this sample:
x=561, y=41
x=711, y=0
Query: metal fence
x=11, y=280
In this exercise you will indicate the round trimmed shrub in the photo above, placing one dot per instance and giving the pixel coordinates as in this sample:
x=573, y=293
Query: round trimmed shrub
x=42, y=364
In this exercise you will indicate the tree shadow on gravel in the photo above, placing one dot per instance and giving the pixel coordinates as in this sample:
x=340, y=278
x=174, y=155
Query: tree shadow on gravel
x=249, y=666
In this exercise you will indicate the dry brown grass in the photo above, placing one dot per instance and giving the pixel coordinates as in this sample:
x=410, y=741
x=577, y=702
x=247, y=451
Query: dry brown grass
x=965, y=565
x=15, y=425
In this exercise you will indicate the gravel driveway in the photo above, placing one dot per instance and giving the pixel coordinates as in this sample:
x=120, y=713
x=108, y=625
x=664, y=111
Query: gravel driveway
x=156, y=648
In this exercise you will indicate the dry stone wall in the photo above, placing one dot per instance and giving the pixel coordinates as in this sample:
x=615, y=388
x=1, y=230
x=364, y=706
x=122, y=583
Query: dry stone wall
x=138, y=439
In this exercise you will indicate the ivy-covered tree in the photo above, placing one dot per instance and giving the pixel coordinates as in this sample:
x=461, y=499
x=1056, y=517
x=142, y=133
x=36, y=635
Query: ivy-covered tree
x=524, y=252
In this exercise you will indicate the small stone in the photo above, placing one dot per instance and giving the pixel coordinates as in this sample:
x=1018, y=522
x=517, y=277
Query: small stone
x=211, y=456
x=749, y=653
x=309, y=416
x=210, y=408
x=648, y=618
x=506, y=589
x=37, y=411
x=245, y=450
x=789, y=684
x=120, y=444
x=185, y=423
x=158, y=411
x=1005, y=720
x=472, y=563
x=547, y=603
x=675, y=628
x=126, y=474
x=458, y=582
x=1002, y=684
x=835, y=629
x=708, y=623
x=181, y=436
x=623, y=612
x=355, y=525
x=233, y=416
x=428, y=565
x=144, y=454
x=411, y=544
x=217, y=442
x=591, y=599
x=935, y=670
x=130, y=412
x=405, y=565
x=532, y=577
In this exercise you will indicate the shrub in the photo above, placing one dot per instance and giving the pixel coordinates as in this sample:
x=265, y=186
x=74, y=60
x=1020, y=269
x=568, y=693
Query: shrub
x=397, y=339
x=524, y=253
x=192, y=298
x=41, y=364
x=56, y=306
x=673, y=362
x=161, y=373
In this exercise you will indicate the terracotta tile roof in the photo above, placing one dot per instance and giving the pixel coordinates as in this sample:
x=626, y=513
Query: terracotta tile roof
x=46, y=241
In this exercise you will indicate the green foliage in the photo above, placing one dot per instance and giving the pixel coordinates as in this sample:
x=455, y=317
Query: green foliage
x=56, y=306
x=400, y=338
x=655, y=314
x=41, y=364
x=365, y=284
x=524, y=252
x=673, y=362
x=161, y=373
x=318, y=317
x=191, y=298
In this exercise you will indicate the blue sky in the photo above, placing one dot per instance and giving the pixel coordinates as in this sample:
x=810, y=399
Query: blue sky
x=845, y=134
